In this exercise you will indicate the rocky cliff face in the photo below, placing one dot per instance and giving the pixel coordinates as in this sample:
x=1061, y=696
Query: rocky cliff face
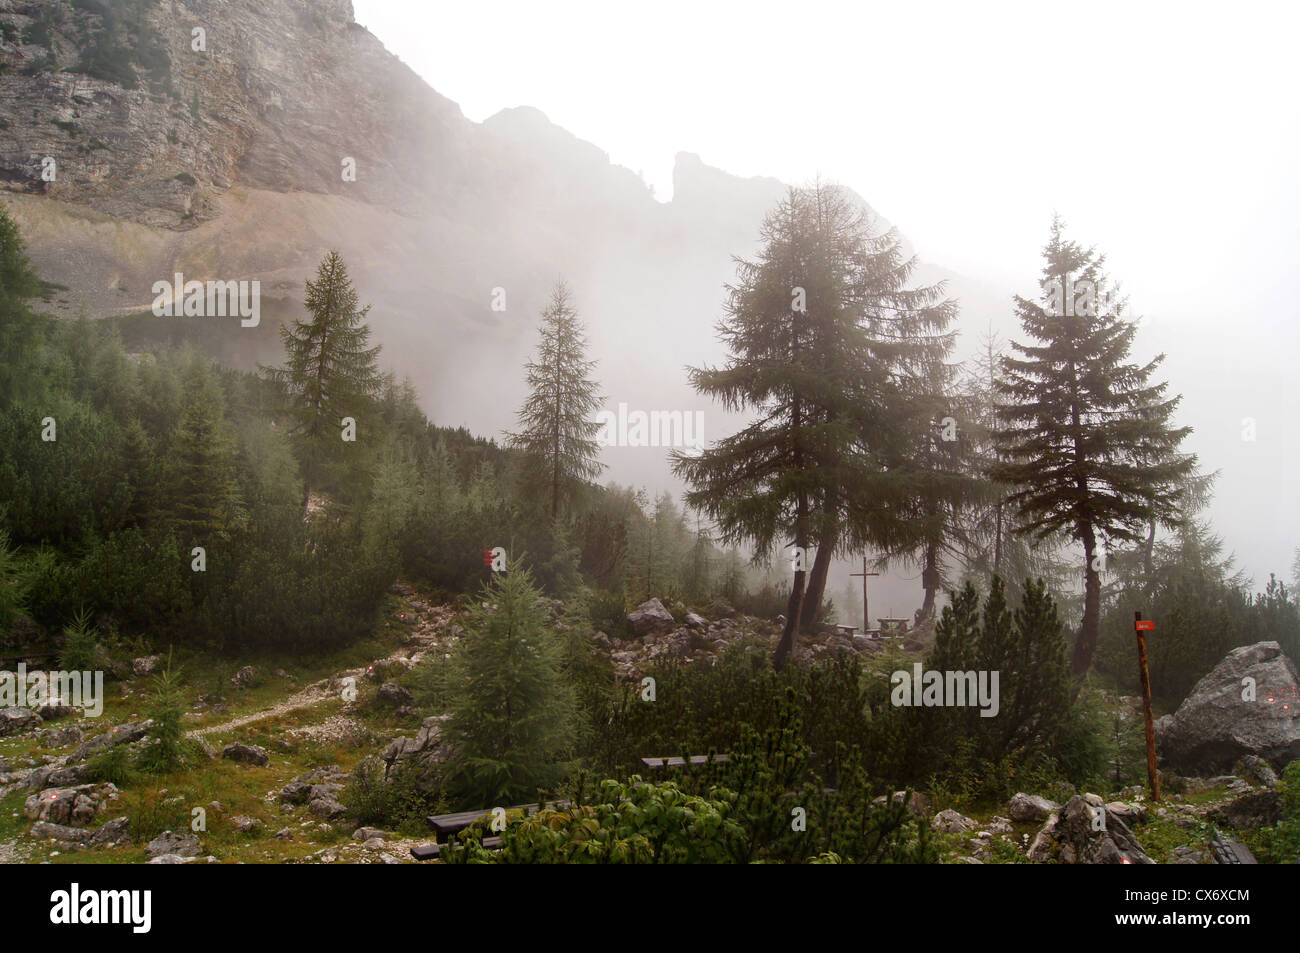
x=146, y=128
x=228, y=163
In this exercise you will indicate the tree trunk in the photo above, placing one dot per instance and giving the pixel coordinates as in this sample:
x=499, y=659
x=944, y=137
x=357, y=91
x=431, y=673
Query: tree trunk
x=816, y=594
x=930, y=582
x=792, y=610
x=997, y=543
x=1086, y=644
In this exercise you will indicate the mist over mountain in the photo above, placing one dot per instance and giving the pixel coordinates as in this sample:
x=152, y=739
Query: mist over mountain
x=231, y=163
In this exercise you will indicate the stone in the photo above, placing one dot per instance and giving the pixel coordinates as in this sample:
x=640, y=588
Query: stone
x=391, y=693
x=694, y=621
x=127, y=733
x=1256, y=770
x=244, y=677
x=369, y=833
x=1074, y=836
x=113, y=832
x=15, y=721
x=1215, y=726
x=1030, y=808
x=326, y=807
x=1250, y=811
x=61, y=737
x=950, y=822
x=245, y=825
x=650, y=617
x=145, y=665
x=245, y=754
x=170, y=843
x=44, y=829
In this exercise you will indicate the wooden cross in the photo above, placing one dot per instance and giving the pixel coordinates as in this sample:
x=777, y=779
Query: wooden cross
x=866, y=619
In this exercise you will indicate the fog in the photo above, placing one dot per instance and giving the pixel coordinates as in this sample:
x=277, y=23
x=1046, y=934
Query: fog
x=1167, y=136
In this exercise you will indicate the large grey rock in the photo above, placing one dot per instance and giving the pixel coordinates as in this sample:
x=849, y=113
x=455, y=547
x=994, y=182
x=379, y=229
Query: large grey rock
x=1030, y=808
x=650, y=617
x=168, y=842
x=14, y=721
x=1250, y=811
x=391, y=693
x=117, y=735
x=1085, y=832
x=951, y=822
x=116, y=831
x=426, y=751
x=1219, y=723
x=245, y=754
x=74, y=807
x=145, y=665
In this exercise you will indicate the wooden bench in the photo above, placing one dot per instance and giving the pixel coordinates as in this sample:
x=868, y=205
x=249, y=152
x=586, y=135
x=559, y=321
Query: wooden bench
x=433, y=851
x=681, y=762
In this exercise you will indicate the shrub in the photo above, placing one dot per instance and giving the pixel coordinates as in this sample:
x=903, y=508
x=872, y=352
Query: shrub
x=81, y=649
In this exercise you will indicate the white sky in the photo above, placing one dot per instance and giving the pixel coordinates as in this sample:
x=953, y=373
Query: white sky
x=1166, y=133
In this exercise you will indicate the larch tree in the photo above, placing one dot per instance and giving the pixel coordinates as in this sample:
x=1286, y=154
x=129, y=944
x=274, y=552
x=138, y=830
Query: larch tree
x=824, y=334
x=330, y=372
x=1086, y=443
x=556, y=431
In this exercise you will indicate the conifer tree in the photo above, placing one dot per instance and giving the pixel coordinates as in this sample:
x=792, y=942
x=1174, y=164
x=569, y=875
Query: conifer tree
x=513, y=713
x=557, y=433
x=329, y=372
x=824, y=337
x=204, y=501
x=1087, y=444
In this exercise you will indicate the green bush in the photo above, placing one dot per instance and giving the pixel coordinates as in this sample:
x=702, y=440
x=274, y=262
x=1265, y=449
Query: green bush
x=114, y=766
x=399, y=801
x=81, y=649
x=1281, y=844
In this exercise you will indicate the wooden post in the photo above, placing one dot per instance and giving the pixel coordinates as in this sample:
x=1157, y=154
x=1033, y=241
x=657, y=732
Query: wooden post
x=1152, y=775
x=866, y=620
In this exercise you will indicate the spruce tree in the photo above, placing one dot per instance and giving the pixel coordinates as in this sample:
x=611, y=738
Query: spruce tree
x=18, y=285
x=557, y=434
x=329, y=372
x=825, y=339
x=204, y=502
x=1086, y=444
x=513, y=714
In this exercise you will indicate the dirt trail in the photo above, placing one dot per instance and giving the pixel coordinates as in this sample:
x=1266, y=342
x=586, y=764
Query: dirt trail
x=426, y=634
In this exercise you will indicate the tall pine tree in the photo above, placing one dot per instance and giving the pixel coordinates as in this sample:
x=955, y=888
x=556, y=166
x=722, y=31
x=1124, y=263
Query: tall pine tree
x=1087, y=445
x=825, y=338
x=556, y=433
x=329, y=372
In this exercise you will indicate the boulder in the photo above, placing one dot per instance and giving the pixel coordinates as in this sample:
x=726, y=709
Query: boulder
x=1250, y=811
x=244, y=677
x=169, y=843
x=245, y=825
x=326, y=807
x=1085, y=832
x=1245, y=706
x=61, y=737
x=694, y=621
x=390, y=693
x=117, y=735
x=114, y=832
x=426, y=751
x=74, y=807
x=44, y=829
x=950, y=822
x=1257, y=771
x=650, y=617
x=918, y=804
x=368, y=834
x=1030, y=808
x=145, y=665
x=14, y=721
x=245, y=754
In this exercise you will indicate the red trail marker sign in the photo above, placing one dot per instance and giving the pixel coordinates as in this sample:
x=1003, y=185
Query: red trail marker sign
x=1140, y=626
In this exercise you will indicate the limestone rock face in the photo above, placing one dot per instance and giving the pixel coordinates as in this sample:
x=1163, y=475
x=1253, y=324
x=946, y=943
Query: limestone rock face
x=1219, y=722
x=1087, y=832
